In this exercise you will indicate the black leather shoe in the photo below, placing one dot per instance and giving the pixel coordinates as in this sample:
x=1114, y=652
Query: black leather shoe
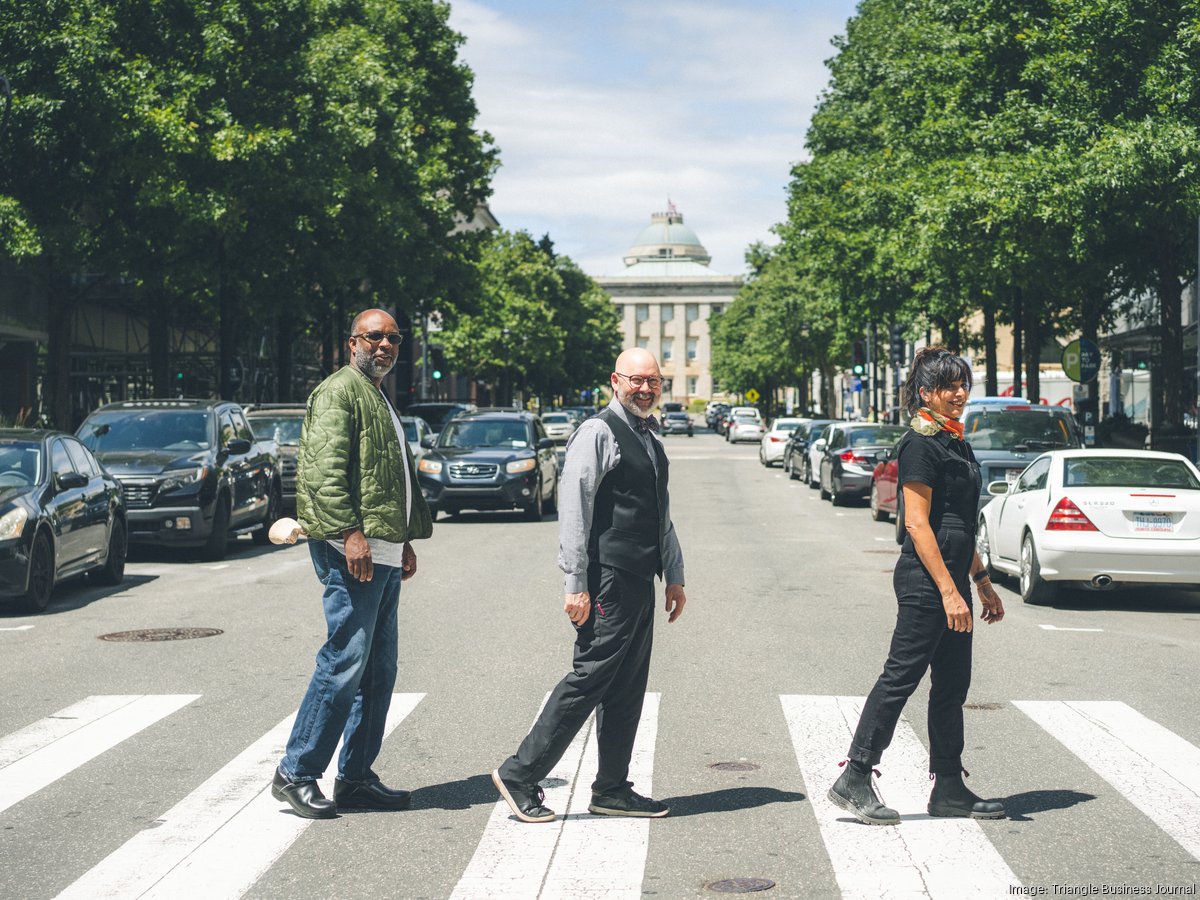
x=368, y=795
x=855, y=793
x=627, y=803
x=304, y=797
x=951, y=798
x=525, y=800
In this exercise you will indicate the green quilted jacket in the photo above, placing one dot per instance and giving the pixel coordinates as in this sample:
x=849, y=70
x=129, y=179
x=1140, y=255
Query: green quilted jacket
x=349, y=468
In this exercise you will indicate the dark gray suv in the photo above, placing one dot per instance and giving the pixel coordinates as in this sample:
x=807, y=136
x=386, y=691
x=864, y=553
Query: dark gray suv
x=1007, y=434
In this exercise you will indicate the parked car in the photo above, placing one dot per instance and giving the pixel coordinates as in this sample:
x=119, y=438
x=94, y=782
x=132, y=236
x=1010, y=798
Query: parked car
x=416, y=430
x=795, y=449
x=744, y=428
x=1006, y=435
x=670, y=406
x=281, y=422
x=438, y=414
x=491, y=460
x=61, y=514
x=191, y=472
x=677, y=422
x=770, y=450
x=1094, y=518
x=713, y=412
x=812, y=455
x=852, y=449
x=559, y=426
x=886, y=500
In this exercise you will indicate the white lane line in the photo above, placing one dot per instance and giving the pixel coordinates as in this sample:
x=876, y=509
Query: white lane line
x=47, y=750
x=1056, y=628
x=1153, y=768
x=223, y=835
x=18, y=628
x=578, y=855
x=921, y=857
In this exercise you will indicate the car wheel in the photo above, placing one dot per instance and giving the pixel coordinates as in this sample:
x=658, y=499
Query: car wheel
x=901, y=531
x=790, y=466
x=552, y=504
x=836, y=495
x=113, y=570
x=983, y=547
x=218, y=541
x=877, y=514
x=533, y=512
x=825, y=495
x=41, y=576
x=762, y=457
x=808, y=479
x=1034, y=590
x=263, y=535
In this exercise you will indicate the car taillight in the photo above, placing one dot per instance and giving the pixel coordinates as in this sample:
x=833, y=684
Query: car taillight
x=774, y=439
x=851, y=457
x=1069, y=517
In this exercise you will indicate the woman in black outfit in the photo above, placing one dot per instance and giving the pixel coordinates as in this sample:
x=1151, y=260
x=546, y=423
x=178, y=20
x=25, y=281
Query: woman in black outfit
x=941, y=483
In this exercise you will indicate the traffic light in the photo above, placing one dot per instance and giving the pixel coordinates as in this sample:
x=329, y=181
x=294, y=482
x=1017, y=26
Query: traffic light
x=437, y=374
x=859, y=366
x=898, y=348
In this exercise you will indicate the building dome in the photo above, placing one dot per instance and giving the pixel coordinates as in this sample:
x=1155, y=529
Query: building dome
x=666, y=238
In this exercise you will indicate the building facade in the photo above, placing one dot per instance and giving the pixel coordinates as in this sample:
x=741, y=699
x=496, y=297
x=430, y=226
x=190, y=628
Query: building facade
x=665, y=296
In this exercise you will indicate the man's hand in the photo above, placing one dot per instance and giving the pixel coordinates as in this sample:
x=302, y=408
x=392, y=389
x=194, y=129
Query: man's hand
x=958, y=614
x=408, y=562
x=577, y=607
x=358, y=555
x=993, y=606
x=675, y=601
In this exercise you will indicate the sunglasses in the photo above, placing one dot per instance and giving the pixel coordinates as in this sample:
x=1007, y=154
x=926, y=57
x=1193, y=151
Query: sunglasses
x=394, y=337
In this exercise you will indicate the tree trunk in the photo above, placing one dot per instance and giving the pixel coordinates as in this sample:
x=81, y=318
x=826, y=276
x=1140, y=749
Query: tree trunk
x=1033, y=358
x=1018, y=353
x=990, y=382
x=158, y=326
x=284, y=336
x=1173, y=388
x=226, y=328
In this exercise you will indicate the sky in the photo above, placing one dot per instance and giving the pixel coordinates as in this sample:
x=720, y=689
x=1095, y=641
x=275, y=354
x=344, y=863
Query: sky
x=602, y=110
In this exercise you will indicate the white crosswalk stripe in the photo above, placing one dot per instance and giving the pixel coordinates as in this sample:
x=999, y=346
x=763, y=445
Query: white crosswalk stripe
x=1152, y=767
x=224, y=835
x=48, y=749
x=579, y=855
x=922, y=857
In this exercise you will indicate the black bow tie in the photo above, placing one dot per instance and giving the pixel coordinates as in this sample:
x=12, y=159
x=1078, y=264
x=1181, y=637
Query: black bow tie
x=641, y=426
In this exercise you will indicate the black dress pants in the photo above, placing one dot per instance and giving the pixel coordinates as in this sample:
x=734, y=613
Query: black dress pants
x=922, y=642
x=609, y=675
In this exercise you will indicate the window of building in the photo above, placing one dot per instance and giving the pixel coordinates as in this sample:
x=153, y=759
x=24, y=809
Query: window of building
x=691, y=349
x=693, y=383
x=642, y=312
x=716, y=308
x=643, y=343
x=665, y=251
x=667, y=312
x=668, y=349
x=693, y=312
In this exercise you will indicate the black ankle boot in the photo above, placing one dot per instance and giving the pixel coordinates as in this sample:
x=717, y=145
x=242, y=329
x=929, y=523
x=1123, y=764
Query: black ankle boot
x=855, y=793
x=951, y=798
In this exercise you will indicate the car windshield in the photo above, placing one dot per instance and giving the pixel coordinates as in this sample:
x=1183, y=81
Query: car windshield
x=484, y=433
x=1017, y=429
x=786, y=425
x=882, y=436
x=146, y=429
x=556, y=418
x=679, y=416
x=410, y=428
x=20, y=463
x=1128, y=471
x=814, y=430
x=284, y=430
x=436, y=414
x=745, y=420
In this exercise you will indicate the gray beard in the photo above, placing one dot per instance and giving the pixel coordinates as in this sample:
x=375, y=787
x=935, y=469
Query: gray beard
x=365, y=363
x=632, y=408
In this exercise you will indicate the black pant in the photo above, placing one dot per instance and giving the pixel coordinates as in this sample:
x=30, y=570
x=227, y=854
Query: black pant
x=922, y=641
x=609, y=675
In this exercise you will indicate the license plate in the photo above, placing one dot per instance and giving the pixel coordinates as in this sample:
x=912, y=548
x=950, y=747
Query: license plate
x=1011, y=475
x=1152, y=522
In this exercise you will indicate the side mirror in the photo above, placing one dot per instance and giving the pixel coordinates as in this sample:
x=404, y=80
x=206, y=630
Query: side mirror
x=427, y=441
x=545, y=444
x=239, y=446
x=997, y=488
x=70, y=481
x=819, y=444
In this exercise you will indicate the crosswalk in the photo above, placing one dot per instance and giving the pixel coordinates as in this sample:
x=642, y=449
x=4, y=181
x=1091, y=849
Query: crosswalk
x=223, y=836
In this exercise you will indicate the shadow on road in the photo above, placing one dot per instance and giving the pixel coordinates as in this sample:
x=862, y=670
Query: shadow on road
x=239, y=548
x=76, y=593
x=729, y=799
x=1020, y=806
x=462, y=794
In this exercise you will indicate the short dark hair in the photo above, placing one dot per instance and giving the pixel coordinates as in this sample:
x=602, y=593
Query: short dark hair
x=933, y=368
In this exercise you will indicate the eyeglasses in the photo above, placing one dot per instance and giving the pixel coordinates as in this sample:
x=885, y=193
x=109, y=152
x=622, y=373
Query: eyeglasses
x=638, y=380
x=375, y=337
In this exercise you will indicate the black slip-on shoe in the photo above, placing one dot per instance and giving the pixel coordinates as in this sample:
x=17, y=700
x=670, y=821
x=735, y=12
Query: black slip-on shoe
x=627, y=804
x=525, y=800
x=369, y=795
x=304, y=797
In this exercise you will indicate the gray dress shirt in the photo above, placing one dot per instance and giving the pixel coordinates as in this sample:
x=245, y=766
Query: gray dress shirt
x=592, y=453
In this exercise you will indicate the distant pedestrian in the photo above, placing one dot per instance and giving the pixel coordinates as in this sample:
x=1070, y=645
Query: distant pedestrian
x=615, y=535
x=357, y=499
x=941, y=484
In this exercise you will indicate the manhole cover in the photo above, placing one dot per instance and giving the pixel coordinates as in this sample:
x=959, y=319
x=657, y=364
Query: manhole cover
x=983, y=706
x=740, y=885
x=739, y=766
x=142, y=635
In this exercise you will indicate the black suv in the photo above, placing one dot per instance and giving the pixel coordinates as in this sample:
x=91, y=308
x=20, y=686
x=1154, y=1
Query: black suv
x=191, y=471
x=493, y=459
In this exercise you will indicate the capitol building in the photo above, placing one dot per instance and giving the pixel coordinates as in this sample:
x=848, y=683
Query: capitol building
x=665, y=296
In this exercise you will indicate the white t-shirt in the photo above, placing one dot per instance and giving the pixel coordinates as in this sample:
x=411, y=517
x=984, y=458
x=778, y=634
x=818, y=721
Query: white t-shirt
x=388, y=553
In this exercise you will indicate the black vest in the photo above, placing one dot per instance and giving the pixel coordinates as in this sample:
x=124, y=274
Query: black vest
x=628, y=524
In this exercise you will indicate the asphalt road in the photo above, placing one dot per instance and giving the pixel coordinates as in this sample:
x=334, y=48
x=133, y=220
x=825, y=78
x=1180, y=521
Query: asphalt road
x=789, y=607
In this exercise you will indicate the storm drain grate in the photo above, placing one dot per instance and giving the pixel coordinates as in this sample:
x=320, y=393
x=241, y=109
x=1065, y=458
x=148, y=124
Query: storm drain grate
x=739, y=766
x=983, y=706
x=144, y=635
x=740, y=885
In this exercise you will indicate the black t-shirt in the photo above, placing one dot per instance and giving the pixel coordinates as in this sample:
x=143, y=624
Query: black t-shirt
x=947, y=465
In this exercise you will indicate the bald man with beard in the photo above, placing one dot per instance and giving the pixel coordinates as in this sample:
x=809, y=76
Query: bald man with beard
x=615, y=536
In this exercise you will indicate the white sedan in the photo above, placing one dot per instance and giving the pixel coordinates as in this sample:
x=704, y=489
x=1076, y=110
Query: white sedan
x=1098, y=518
x=744, y=428
x=559, y=426
x=770, y=451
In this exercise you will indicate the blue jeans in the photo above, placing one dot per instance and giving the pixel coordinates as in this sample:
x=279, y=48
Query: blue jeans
x=351, y=688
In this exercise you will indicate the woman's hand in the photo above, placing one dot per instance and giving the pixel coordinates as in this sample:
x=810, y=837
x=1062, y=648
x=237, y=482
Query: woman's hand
x=958, y=614
x=993, y=606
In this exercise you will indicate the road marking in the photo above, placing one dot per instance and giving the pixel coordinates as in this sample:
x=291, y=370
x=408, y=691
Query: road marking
x=922, y=857
x=224, y=835
x=1153, y=768
x=18, y=628
x=1056, y=628
x=885, y=540
x=578, y=855
x=217, y=567
x=52, y=747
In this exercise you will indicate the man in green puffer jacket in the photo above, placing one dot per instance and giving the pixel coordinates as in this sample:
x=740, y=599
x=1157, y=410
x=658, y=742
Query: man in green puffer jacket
x=358, y=499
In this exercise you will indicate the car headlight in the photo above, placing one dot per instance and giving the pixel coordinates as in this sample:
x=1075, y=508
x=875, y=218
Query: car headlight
x=517, y=466
x=182, y=478
x=12, y=523
x=430, y=466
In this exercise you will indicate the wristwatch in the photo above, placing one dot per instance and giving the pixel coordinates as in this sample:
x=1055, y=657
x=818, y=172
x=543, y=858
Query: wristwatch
x=981, y=576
